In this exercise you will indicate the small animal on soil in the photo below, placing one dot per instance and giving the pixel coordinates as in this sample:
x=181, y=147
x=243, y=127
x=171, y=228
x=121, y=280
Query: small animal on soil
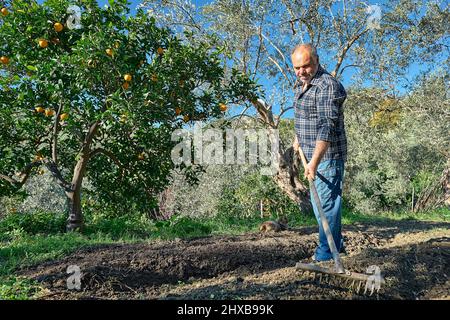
x=274, y=226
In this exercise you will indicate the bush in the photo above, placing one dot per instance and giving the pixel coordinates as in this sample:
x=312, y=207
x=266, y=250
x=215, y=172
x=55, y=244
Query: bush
x=182, y=227
x=128, y=225
x=18, y=288
x=390, y=156
x=39, y=222
x=244, y=197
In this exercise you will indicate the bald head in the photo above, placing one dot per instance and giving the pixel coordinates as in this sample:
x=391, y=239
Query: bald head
x=305, y=61
x=306, y=48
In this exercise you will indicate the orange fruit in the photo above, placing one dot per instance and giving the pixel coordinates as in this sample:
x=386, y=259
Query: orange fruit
x=178, y=111
x=127, y=77
x=223, y=107
x=39, y=109
x=58, y=27
x=64, y=116
x=125, y=85
x=4, y=60
x=49, y=112
x=160, y=51
x=186, y=118
x=4, y=11
x=109, y=52
x=43, y=43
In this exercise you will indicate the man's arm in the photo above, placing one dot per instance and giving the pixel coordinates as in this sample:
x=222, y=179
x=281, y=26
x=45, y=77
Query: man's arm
x=319, y=151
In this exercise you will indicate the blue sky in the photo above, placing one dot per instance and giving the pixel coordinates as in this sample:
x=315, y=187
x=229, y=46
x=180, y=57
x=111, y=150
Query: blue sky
x=414, y=70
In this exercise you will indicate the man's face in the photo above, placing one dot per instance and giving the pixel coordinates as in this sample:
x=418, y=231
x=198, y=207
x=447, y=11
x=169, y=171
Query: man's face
x=305, y=66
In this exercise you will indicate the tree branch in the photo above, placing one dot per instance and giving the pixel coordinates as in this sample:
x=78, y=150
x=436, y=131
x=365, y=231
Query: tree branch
x=281, y=113
x=53, y=168
x=347, y=66
x=108, y=154
x=55, y=135
x=266, y=113
x=258, y=56
x=9, y=179
x=281, y=54
x=344, y=51
x=25, y=174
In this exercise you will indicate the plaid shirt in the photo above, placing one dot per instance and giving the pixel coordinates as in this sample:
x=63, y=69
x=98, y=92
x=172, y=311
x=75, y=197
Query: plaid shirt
x=319, y=115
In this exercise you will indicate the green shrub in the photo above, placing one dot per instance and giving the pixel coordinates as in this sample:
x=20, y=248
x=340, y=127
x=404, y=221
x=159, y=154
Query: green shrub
x=39, y=222
x=243, y=199
x=18, y=288
x=182, y=227
x=129, y=225
x=386, y=162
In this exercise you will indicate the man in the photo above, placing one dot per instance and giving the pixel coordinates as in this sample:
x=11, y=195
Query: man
x=319, y=126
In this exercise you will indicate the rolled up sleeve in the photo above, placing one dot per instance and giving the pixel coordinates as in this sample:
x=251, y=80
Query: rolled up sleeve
x=329, y=102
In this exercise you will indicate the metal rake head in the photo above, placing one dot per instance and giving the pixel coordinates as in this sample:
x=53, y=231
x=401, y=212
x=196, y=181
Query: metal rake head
x=351, y=280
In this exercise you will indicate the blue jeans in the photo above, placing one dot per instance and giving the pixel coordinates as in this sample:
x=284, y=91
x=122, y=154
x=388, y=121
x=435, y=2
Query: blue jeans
x=329, y=180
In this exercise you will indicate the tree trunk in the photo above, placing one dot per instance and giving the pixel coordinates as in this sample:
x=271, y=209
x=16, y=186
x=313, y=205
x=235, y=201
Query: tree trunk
x=75, y=220
x=288, y=164
x=287, y=179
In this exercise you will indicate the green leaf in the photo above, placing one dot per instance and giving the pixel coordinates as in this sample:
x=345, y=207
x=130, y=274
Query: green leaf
x=32, y=68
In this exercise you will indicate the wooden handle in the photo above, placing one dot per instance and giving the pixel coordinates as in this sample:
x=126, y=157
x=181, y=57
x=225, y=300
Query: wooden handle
x=323, y=219
x=302, y=157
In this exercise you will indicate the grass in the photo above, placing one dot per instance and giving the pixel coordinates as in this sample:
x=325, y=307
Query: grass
x=33, y=238
x=19, y=288
x=438, y=215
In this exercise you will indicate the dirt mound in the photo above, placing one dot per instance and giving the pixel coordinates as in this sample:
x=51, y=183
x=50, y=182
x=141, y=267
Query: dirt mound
x=414, y=258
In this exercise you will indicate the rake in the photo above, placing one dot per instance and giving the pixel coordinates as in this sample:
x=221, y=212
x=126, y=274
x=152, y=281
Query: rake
x=337, y=275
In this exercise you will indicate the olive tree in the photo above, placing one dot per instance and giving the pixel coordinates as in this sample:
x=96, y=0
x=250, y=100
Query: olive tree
x=373, y=44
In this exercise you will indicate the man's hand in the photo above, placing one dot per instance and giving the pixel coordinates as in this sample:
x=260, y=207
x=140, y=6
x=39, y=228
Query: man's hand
x=319, y=151
x=311, y=170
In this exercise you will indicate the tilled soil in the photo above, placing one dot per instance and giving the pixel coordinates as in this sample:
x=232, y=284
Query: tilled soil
x=413, y=257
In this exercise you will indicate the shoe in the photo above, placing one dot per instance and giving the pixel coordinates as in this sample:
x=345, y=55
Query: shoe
x=313, y=259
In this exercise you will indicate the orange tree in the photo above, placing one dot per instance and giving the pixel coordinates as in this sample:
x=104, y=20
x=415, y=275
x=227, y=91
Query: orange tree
x=100, y=101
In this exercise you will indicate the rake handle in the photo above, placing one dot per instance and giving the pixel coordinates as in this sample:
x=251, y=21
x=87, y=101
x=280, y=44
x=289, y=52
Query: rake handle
x=323, y=218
